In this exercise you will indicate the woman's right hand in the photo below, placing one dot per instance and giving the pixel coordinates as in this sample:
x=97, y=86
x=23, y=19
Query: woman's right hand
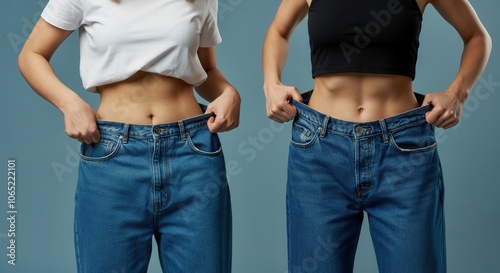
x=278, y=106
x=80, y=122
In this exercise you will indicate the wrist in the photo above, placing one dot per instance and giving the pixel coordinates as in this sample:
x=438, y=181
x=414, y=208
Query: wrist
x=459, y=89
x=69, y=102
x=268, y=85
x=230, y=91
x=460, y=93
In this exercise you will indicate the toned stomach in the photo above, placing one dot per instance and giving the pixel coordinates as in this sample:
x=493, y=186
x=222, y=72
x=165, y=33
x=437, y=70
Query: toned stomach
x=147, y=98
x=361, y=97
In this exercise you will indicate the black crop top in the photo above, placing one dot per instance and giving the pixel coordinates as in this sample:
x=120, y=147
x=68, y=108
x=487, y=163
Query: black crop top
x=369, y=36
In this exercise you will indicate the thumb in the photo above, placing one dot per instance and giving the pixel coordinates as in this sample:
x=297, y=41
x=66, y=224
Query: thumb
x=213, y=124
x=211, y=120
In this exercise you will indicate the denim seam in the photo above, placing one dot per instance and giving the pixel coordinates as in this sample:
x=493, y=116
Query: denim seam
x=402, y=127
x=150, y=136
x=308, y=118
x=367, y=136
x=103, y=158
x=125, y=133
x=340, y=133
x=303, y=129
x=308, y=144
x=198, y=151
x=113, y=132
x=426, y=149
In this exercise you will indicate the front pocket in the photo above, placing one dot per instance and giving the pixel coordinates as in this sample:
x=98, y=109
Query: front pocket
x=302, y=136
x=204, y=142
x=417, y=138
x=105, y=149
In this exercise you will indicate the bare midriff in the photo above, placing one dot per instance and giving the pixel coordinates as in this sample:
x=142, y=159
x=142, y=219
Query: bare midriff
x=361, y=97
x=147, y=98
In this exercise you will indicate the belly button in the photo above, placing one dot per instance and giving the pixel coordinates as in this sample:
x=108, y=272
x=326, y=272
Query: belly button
x=361, y=109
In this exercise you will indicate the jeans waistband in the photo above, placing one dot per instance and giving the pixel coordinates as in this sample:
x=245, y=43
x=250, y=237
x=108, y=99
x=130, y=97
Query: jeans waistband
x=363, y=129
x=180, y=127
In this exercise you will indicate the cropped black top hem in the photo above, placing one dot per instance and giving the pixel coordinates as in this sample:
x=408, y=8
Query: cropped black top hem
x=369, y=70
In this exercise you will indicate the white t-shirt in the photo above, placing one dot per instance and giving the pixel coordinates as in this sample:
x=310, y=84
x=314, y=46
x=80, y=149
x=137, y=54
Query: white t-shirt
x=117, y=39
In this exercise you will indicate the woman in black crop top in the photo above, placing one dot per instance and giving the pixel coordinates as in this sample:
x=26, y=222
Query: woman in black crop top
x=362, y=140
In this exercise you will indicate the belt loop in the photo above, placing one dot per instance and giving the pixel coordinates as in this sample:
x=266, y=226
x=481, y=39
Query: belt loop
x=322, y=130
x=126, y=127
x=385, y=133
x=182, y=130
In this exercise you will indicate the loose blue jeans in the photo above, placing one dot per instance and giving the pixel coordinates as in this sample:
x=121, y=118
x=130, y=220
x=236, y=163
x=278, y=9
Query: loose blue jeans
x=167, y=181
x=390, y=169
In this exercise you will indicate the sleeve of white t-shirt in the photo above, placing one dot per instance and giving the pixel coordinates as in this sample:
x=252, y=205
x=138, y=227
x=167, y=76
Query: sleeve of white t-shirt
x=210, y=35
x=64, y=14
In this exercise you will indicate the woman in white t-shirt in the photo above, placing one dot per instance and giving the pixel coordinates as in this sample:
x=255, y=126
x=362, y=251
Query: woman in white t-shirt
x=151, y=161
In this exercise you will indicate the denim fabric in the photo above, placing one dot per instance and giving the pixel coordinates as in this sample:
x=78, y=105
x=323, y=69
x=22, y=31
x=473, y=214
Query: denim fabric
x=167, y=181
x=338, y=170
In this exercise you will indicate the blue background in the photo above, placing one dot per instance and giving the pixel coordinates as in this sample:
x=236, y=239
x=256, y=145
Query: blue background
x=32, y=133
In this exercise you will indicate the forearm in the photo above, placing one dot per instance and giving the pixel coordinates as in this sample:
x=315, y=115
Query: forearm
x=474, y=59
x=274, y=55
x=214, y=86
x=41, y=77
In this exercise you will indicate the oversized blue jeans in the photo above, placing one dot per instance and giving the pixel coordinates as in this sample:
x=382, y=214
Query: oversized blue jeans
x=167, y=181
x=390, y=169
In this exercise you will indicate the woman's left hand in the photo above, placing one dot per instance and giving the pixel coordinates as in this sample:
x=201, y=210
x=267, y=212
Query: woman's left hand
x=446, y=111
x=226, y=108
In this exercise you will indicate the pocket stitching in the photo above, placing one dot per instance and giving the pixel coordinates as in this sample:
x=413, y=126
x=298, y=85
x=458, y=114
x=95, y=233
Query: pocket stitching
x=197, y=150
x=409, y=151
x=303, y=129
x=106, y=157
